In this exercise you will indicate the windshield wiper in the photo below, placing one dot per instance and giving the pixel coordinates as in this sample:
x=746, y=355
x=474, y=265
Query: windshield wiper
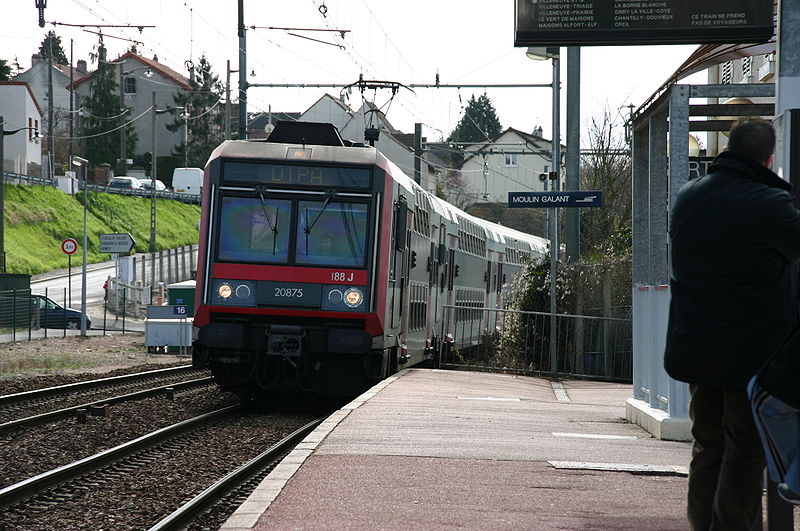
x=307, y=229
x=273, y=228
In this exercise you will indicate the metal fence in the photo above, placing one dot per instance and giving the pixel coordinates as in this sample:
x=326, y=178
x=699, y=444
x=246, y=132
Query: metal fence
x=519, y=342
x=17, y=178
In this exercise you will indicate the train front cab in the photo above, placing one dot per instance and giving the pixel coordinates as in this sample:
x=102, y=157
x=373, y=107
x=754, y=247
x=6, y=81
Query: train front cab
x=277, y=311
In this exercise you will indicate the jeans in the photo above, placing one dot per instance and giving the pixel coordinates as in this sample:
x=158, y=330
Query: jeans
x=726, y=472
x=778, y=424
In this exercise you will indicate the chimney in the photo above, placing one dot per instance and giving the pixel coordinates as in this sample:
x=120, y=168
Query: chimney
x=36, y=58
x=155, y=58
x=81, y=67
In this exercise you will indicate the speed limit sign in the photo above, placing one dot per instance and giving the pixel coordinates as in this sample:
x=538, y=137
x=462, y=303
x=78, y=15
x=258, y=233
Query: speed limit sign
x=69, y=246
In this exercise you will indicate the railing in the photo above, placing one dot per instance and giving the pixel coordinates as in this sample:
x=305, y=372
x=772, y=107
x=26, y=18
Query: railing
x=519, y=342
x=16, y=178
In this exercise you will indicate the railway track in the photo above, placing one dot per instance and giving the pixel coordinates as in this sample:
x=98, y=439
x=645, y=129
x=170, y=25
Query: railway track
x=140, y=483
x=43, y=405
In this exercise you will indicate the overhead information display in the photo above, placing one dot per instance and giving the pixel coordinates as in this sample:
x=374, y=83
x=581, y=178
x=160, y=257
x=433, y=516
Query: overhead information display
x=634, y=22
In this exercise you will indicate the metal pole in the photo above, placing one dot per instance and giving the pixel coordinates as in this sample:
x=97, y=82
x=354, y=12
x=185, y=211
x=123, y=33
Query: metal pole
x=2, y=194
x=242, y=75
x=572, y=219
x=85, y=166
x=228, y=101
x=556, y=144
x=153, y=183
x=51, y=145
x=71, y=102
x=122, y=139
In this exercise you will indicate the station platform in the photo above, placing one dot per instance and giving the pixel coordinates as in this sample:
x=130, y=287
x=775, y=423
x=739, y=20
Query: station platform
x=431, y=449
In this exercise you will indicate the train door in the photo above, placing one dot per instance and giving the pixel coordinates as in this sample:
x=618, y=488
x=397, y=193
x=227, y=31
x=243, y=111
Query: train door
x=397, y=274
x=433, y=291
x=489, y=300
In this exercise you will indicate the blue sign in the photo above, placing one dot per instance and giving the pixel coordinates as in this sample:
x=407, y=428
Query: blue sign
x=180, y=309
x=581, y=198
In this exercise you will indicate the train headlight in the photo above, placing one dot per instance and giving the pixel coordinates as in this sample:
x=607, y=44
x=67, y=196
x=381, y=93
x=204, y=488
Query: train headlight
x=335, y=296
x=353, y=297
x=225, y=291
x=233, y=292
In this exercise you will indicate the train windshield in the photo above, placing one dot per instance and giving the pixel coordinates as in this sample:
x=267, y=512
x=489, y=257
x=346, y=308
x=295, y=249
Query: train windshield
x=331, y=233
x=255, y=230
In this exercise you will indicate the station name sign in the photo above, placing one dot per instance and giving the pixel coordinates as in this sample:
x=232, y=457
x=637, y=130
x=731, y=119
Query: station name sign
x=635, y=22
x=582, y=198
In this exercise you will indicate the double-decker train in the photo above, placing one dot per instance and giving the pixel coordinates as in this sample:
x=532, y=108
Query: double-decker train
x=324, y=268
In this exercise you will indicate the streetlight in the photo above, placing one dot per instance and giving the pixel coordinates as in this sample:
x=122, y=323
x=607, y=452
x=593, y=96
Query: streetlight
x=153, y=176
x=542, y=54
x=36, y=137
x=81, y=162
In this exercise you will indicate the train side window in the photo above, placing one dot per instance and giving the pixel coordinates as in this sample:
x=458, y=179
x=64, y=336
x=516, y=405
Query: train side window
x=400, y=225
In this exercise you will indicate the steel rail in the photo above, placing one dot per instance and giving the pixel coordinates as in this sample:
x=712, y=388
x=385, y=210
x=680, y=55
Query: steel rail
x=80, y=386
x=68, y=411
x=63, y=474
x=180, y=517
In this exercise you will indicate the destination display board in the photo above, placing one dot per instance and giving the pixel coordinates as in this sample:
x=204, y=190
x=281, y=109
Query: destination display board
x=634, y=22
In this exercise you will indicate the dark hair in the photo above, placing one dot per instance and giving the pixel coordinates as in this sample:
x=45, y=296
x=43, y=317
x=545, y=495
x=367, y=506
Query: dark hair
x=753, y=137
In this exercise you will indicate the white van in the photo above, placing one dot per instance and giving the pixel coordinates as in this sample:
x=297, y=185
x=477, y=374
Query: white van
x=187, y=180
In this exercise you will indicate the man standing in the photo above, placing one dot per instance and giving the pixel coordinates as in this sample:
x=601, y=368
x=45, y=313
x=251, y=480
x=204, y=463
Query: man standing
x=735, y=242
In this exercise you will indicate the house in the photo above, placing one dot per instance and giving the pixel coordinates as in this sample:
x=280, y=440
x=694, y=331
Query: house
x=395, y=145
x=144, y=82
x=22, y=152
x=513, y=161
x=63, y=75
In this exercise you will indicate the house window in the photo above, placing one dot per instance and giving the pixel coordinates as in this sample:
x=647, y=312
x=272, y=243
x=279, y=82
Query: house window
x=511, y=159
x=747, y=68
x=129, y=85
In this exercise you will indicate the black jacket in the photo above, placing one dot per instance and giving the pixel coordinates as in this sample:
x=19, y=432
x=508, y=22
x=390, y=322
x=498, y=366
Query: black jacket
x=735, y=242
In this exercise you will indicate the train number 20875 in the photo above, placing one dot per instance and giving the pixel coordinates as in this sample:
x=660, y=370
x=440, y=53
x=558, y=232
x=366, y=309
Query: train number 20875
x=289, y=292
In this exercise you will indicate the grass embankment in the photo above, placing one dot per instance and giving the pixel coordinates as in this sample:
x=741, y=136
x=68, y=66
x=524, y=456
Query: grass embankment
x=39, y=218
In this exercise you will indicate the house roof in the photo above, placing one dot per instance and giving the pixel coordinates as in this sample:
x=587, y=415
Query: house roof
x=28, y=88
x=179, y=79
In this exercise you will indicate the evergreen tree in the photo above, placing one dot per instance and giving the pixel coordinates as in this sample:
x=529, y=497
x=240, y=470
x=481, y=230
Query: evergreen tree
x=479, y=124
x=59, y=56
x=102, y=120
x=5, y=70
x=205, y=115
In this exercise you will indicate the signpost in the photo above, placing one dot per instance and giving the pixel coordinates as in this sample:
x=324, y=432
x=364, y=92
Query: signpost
x=634, y=22
x=68, y=247
x=577, y=198
x=116, y=243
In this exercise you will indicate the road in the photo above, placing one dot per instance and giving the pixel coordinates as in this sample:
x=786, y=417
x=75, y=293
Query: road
x=56, y=283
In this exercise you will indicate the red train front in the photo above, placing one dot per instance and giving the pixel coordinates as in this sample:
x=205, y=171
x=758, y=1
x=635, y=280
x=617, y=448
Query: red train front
x=296, y=264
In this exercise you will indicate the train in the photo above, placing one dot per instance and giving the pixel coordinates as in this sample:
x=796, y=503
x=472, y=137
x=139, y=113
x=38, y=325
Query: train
x=323, y=268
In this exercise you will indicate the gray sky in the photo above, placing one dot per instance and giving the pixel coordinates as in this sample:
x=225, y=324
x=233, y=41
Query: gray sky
x=467, y=42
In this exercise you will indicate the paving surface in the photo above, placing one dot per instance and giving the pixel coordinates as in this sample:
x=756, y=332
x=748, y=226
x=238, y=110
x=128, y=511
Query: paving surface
x=430, y=449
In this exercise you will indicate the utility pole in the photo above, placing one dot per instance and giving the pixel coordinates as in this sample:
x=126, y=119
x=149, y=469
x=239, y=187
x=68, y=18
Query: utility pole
x=228, y=101
x=123, y=155
x=417, y=152
x=242, y=75
x=50, y=137
x=572, y=220
x=71, y=100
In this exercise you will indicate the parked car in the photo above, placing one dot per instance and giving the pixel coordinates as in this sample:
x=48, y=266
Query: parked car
x=147, y=184
x=53, y=315
x=130, y=183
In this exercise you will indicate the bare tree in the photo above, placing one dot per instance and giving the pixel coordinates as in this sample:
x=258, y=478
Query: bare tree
x=607, y=167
